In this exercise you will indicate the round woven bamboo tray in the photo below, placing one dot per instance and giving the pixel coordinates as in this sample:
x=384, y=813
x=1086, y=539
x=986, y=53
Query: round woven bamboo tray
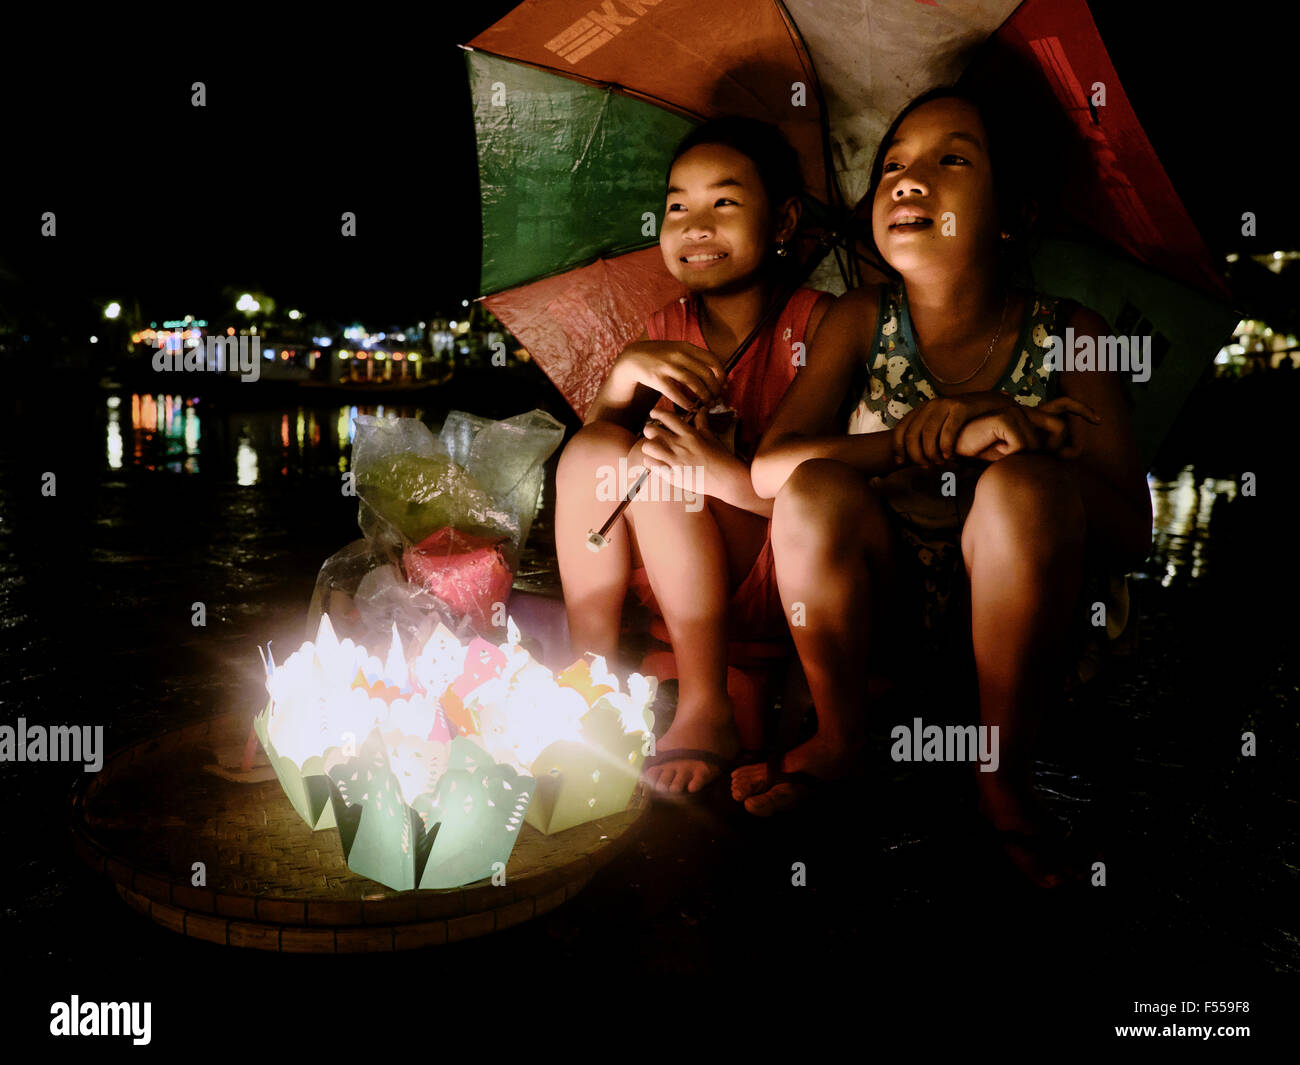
x=158, y=807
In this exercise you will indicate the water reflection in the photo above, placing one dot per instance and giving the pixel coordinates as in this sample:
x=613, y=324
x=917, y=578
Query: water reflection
x=1181, y=513
x=172, y=433
x=114, y=433
x=245, y=461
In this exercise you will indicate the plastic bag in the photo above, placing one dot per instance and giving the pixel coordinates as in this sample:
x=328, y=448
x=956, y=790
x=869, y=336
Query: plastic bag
x=444, y=519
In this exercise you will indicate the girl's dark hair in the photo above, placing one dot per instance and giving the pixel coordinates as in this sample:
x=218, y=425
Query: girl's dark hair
x=1022, y=162
x=766, y=147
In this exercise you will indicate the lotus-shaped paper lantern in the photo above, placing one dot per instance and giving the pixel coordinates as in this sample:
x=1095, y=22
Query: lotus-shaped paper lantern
x=428, y=768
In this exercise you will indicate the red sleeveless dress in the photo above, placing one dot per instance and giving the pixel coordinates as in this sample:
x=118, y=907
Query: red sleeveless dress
x=754, y=389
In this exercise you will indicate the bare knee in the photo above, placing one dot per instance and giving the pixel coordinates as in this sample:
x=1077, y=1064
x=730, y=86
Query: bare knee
x=595, y=445
x=826, y=509
x=1030, y=501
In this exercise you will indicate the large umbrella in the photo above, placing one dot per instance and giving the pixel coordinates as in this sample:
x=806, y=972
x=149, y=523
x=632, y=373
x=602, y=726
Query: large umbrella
x=577, y=107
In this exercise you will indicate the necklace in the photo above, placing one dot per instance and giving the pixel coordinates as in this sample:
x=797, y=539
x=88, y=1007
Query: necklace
x=992, y=344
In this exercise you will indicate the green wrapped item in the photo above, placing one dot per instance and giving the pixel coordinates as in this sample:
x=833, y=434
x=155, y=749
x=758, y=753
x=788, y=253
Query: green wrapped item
x=418, y=495
x=476, y=476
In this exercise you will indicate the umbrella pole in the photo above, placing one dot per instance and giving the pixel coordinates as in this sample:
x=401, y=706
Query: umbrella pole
x=596, y=540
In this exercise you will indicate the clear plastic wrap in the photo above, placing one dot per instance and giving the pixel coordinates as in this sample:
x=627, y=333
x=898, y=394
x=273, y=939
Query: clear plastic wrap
x=444, y=519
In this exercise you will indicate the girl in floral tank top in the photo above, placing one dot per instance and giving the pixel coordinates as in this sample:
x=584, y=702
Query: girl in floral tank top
x=971, y=474
x=892, y=385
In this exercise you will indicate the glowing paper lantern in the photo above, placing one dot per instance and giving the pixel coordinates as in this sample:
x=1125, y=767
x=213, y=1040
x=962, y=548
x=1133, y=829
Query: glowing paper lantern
x=313, y=714
x=581, y=738
x=451, y=835
x=429, y=769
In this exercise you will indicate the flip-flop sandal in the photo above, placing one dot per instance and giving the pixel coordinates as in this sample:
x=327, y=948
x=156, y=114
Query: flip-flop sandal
x=687, y=754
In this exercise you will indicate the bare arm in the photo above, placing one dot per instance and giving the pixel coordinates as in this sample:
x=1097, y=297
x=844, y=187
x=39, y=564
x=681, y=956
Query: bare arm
x=647, y=369
x=803, y=427
x=1112, y=483
x=614, y=404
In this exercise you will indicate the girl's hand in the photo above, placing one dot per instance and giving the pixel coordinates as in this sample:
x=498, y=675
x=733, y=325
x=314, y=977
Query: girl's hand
x=686, y=374
x=927, y=435
x=688, y=456
x=997, y=435
x=1050, y=418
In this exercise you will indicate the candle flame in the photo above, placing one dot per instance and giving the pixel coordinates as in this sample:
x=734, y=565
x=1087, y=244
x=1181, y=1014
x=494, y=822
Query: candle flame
x=519, y=706
x=395, y=671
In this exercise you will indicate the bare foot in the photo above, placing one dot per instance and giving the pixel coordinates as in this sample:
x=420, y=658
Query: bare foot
x=1030, y=837
x=709, y=727
x=820, y=757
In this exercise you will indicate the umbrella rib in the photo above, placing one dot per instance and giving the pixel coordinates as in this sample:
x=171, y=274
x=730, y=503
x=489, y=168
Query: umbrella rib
x=833, y=194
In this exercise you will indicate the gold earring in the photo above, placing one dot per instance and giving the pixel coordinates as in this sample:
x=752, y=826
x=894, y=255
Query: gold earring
x=780, y=248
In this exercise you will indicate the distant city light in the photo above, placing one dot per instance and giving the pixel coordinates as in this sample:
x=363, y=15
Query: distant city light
x=295, y=315
x=452, y=325
x=114, y=309
x=94, y=340
x=247, y=304
x=463, y=303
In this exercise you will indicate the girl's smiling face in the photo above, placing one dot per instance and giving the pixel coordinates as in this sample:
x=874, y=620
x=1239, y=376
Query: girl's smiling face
x=717, y=221
x=935, y=203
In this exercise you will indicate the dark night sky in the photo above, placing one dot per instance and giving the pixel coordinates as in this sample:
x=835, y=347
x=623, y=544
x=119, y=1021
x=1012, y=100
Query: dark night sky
x=159, y=199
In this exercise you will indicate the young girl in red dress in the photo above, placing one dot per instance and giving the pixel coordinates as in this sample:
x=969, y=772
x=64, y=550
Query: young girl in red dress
x=696, y=545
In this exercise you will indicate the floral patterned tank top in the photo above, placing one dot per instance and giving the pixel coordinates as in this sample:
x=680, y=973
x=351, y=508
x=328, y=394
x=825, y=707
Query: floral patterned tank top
x=897, y=381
